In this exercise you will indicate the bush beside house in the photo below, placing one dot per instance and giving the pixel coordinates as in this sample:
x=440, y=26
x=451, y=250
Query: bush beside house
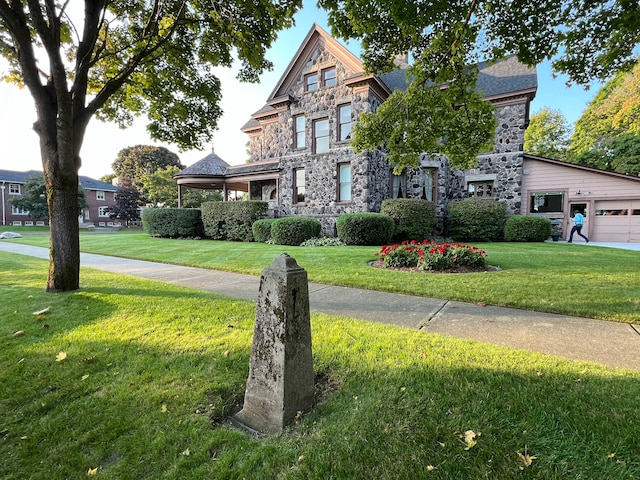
x=232, y=220
x=262, y=229
x=414, y=218
x=365, y=228
x=522, y=228
x=172, y=222
x=294, y=230
x=477, y=220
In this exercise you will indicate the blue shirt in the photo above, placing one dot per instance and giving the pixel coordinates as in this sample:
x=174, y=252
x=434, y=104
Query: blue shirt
x=578, y=219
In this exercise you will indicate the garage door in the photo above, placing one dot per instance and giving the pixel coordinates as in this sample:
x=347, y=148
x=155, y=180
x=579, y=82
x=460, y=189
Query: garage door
x=616, y=221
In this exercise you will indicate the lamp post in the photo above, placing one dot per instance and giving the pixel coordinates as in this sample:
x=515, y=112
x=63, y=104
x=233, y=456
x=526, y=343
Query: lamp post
x=4, y=214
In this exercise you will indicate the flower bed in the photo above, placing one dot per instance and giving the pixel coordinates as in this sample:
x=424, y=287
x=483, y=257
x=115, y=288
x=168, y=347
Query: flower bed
x=431, y=256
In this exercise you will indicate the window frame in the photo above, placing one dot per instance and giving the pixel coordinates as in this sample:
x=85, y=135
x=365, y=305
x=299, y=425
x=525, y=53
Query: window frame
x=311, y=82
x=534, y=206
x=297, y=187
x=432, y=173
x=341, y=125
x=473, y=193
x=297, y=133
x=11, y=189
x=18, y=210
x=101, y=211
x=399, y=182
x=340, y=183
x=326, y=137
x=329, y=81
x=102, y=197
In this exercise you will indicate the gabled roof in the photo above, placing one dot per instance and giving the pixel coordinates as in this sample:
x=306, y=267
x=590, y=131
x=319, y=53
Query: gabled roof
x=315, y=38
x=528, y=156
x=88, y=183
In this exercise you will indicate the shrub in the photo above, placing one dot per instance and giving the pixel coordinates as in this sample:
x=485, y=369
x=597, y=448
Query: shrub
x=232, y=220
x=526, y=228
x=323, y=242
x=414, y=218
x=172, y=222
x=477, y=220
x=365, y=228
x=428, y=255
x=294, y=230
x=262, y=230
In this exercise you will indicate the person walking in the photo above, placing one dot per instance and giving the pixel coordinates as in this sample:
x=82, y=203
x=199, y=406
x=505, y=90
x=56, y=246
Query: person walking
x=578, y=223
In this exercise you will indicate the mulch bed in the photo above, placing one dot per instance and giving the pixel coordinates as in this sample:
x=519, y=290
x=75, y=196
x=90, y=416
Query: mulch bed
x=460, y=269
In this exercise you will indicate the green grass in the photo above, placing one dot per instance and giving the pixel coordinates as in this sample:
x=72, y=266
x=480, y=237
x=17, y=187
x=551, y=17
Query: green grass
x=578, y=280
x=151, y=371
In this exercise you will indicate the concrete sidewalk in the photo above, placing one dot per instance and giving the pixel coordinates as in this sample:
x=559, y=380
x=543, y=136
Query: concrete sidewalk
x=608, y=343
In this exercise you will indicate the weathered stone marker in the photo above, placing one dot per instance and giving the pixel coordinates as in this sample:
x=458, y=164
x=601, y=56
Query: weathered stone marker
x=281, y=379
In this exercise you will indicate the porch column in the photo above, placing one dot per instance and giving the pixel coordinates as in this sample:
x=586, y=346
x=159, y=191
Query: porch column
x=225, y=196
x=179, y=196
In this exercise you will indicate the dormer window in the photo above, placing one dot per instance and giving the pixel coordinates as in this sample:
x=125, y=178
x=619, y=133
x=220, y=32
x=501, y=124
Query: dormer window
x=311, y=82
x=329, y=77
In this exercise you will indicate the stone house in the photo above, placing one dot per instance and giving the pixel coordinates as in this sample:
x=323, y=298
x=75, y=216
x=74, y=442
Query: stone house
x=99, y=196
x=301, y=161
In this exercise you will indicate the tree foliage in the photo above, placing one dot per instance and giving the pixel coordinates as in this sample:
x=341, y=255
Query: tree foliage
x=35, y=200
x=133, y=163
x=446, y=38
x=607, y=135
x=126, y=207
x=118, y=59
x=161, y=190
x=548, y=134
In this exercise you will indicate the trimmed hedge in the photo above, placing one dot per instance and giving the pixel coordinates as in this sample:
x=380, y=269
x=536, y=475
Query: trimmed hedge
x=414, y=218
x=526, y=228
x=477, y=220
x=365, y=228
x=262, y=230
x=294, y=230
x=232, y=220
x=172, y=222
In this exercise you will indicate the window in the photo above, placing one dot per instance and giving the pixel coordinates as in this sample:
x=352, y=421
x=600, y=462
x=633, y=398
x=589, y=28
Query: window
x=14, y=189
x=321, y=136
x=18, y=211
x=399, y=186
x=100, y=195
x=344, y=182
x=329, y=78
x=546, y=202
x=482, y=189
x=102, y=211
x=299, y=131
x=344, y=122
x=429, y=185
x=298, y=185
x=311, y=82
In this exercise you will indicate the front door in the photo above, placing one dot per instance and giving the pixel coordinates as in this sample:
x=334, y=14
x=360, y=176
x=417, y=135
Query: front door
x=573, y=208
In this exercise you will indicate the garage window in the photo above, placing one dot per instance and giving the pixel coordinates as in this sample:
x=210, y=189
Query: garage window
x=546, y=202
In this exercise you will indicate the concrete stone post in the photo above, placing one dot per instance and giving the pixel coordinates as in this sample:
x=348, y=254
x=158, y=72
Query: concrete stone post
x=281, y=378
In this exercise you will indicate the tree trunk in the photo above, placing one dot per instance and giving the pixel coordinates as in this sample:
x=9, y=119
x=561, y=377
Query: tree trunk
x=64, y=249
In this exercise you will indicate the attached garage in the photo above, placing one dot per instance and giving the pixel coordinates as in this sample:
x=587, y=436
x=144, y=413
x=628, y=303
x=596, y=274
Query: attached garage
x=610, y=201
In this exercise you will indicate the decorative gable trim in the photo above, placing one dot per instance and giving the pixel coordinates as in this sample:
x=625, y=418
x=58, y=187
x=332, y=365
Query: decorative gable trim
x=369, y=83
x=315, y=38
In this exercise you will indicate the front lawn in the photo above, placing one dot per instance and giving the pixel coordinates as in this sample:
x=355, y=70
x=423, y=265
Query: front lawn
x=128, y=378
x=560, y=278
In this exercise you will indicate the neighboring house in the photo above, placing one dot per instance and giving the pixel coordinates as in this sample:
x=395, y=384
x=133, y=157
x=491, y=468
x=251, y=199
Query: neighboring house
x=301, y=161
x=610, y=201
x=99, y=196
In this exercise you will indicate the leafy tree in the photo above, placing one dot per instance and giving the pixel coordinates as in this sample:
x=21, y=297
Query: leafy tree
x=134, y=162
x=620, y=154
x=547, y=134
x=35, y=200
x=108, y=178
x=127, y=206
x=613, y=113
x=444, y=37
x=117, y=59
x=162, y=190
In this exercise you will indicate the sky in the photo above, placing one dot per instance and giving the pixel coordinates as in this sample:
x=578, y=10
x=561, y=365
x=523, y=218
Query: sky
x=19, y=149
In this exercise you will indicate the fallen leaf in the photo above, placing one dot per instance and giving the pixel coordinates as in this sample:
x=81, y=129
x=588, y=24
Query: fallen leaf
x=44, y=311
x=61, y=356
x=470, y=439
x=612, y=455
x=481, y=304
x=92, y=471
x=431, y=468
x=186, y=453
x=19, y=333
x=526, y=458
x=84, y=377
x=164, y=408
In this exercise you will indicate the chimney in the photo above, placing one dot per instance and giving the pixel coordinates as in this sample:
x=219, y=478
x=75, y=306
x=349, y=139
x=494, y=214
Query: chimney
x=401, y=60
